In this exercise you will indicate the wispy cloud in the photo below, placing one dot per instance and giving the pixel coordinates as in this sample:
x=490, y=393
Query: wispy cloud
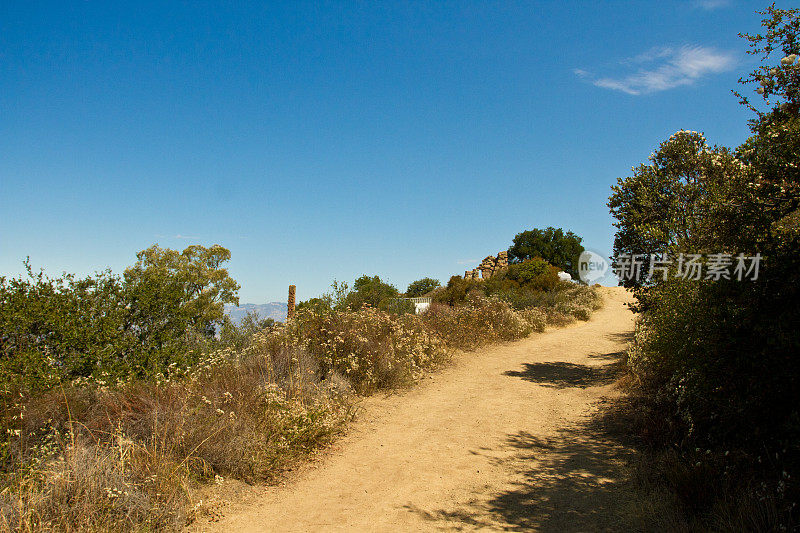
x=466, y=261
x=710, y=5
x=657, y=52
x=660, y=69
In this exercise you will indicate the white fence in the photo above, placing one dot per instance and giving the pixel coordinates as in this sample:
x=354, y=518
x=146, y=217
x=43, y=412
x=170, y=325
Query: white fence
x=420, y=304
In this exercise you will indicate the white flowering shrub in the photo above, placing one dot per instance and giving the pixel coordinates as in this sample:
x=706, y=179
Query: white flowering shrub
x=536, y=317
x=480, y=320
x=371, y=348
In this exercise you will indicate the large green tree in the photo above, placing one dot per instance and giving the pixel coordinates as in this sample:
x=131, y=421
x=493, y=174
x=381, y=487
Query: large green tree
x=559, y=248
x=189, y=286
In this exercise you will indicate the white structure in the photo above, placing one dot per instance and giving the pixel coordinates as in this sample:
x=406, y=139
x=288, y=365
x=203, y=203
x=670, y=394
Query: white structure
x=420, y=304
x=564, y=276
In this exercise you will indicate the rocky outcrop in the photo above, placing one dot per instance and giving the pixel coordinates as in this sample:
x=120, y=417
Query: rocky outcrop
x=490, y=266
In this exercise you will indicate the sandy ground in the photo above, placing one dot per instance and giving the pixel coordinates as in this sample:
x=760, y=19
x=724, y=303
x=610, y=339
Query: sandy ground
x=504, y=439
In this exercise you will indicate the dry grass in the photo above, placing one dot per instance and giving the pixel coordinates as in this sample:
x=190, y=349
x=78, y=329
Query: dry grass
x=124, y=459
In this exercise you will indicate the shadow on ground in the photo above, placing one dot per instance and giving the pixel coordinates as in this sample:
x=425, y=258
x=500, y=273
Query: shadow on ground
x=562, y=375
x=576, y=480
x=572, y=482
x=625, y=337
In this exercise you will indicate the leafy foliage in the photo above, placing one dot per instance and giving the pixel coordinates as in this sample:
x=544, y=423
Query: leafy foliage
x=535, y=274
x=558, y=248
x=367, y=291
x=144, y=323
x=457, y=290
x=518, y=284
x=687, y=200
x=194, y=280
x=531, y=288
x=372, y=292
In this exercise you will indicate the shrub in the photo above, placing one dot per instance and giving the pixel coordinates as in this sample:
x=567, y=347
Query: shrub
x=534, y=274
x=238, y=336
x=536, y=317
x=370, y=347
x=523, y=285
x=457, y=291
x=168, y=303
x=372, y=292
x=318, y=305
x=481, y=320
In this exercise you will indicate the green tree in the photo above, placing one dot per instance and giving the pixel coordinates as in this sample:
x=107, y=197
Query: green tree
x=182, y=289
x=457, y=290
x=689, y=198
x=558, y=248
x=421, y=287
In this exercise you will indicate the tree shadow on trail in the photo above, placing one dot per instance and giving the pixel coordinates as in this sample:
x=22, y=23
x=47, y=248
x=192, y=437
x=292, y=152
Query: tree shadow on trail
x=561, y=375
x=626, y=336
x=616, y=357
x=574, y=481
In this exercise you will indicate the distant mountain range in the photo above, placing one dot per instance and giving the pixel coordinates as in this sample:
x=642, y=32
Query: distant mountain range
x=273, y=310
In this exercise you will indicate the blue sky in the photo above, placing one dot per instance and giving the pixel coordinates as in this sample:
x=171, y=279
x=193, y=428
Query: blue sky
x=329, y=140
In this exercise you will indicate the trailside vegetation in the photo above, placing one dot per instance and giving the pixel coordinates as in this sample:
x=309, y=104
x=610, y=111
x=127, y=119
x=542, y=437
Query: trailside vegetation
x=715, y=376
x=156, y=317
x=123, y=394
x=421, y=287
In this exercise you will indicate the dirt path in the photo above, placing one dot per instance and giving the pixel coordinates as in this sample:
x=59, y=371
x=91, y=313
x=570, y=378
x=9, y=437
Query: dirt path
x=502, y=440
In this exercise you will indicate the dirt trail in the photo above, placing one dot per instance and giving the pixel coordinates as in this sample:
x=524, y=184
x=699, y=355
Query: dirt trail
x=502, y=440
